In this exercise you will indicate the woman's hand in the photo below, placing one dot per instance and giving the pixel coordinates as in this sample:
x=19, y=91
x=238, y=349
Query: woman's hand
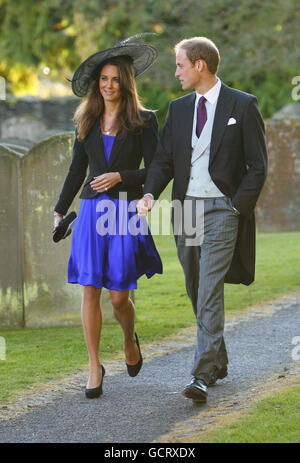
x=105, y=181
x=57, y=219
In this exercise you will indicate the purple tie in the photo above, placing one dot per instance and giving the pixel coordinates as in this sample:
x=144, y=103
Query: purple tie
x=201, y=116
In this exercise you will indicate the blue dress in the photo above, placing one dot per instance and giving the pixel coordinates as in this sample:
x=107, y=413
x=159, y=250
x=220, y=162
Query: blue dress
x=111, y=246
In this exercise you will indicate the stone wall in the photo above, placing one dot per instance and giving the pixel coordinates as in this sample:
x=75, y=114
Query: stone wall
x=278, y=208
x=32, y=118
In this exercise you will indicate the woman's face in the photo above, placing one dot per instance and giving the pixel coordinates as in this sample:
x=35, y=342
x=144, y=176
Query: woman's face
x=109, y=84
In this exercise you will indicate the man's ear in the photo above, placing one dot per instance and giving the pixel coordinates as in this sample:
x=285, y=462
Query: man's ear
x=200, y=65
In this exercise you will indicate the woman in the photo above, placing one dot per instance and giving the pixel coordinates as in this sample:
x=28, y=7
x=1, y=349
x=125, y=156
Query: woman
x=113, y=133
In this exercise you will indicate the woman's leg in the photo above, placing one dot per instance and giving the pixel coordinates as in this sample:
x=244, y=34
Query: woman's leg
x=124, y=312
x=92, y=323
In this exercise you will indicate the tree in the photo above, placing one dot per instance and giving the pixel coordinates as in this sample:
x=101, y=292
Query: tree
x=256, y=41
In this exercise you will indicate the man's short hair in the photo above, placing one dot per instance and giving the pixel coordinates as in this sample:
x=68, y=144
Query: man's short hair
x=201, y=48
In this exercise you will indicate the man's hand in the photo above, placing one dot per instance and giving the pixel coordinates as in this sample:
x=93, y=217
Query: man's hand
x=144, y=205
x=105, y=181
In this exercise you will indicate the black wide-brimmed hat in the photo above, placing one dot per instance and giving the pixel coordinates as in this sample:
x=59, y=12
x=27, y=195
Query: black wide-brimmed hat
x=141, y=55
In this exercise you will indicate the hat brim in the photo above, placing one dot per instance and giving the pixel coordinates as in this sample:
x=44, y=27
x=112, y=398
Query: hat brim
x=142, y=56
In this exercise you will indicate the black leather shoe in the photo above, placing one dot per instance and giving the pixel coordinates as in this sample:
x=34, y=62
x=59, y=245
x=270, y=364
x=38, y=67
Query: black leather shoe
x=196, y=390
x=133, y=370
x=219, y=374
x=95, y=391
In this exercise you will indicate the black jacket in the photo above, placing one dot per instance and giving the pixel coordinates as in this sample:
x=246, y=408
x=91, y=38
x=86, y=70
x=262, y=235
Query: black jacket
x=237, y=164
x=125, y=158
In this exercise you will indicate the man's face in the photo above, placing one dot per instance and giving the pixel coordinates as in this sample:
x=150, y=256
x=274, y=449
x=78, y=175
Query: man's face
x=185, y=71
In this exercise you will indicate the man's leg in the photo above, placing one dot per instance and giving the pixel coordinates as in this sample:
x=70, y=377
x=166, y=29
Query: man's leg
x=220, y=233
x=189, y=257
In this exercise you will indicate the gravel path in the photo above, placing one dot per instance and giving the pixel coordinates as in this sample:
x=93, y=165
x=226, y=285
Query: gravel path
x=142, y=409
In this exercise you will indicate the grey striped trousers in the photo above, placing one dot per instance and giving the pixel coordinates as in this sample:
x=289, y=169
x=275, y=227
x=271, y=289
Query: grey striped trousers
x=205, y=260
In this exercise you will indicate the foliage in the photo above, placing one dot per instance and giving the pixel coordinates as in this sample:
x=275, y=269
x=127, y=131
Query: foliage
x=256, y=40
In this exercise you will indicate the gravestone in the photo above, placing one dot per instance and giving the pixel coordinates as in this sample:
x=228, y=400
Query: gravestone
x=11, y=246
x=33, y=269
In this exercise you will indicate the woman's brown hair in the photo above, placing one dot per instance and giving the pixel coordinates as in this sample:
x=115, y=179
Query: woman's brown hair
x=129, y=118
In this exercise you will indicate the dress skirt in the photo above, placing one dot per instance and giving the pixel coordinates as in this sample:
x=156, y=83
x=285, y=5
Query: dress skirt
x=111, y=246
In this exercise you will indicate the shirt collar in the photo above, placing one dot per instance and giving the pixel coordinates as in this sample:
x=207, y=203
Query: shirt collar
x=212, y=94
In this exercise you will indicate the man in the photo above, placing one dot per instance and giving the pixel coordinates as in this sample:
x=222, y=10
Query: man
x=213, y=146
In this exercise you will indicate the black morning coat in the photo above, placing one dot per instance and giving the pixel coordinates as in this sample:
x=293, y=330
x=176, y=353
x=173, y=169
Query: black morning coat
x=125, y=157
x=237, y=164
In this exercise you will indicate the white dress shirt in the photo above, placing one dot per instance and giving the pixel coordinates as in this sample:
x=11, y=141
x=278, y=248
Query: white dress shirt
x=200, y=183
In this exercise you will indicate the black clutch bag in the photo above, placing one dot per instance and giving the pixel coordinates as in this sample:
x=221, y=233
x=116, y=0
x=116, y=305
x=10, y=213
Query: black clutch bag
x=65, y=227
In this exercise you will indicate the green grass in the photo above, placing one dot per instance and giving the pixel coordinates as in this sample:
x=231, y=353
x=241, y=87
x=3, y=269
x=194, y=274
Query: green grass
x=277, y=271
x=162, y=308
x=272, y=420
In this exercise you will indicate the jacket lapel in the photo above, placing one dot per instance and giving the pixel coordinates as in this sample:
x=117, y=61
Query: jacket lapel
x=94, y=143
x=223, y=112
x=187, y=126
x=116, y=149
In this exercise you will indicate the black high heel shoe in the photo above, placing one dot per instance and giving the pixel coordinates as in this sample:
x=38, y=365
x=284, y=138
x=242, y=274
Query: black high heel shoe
x=133, y=370
x=95, y=391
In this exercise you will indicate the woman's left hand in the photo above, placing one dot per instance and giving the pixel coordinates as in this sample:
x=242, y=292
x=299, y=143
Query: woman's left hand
x=105, y=181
